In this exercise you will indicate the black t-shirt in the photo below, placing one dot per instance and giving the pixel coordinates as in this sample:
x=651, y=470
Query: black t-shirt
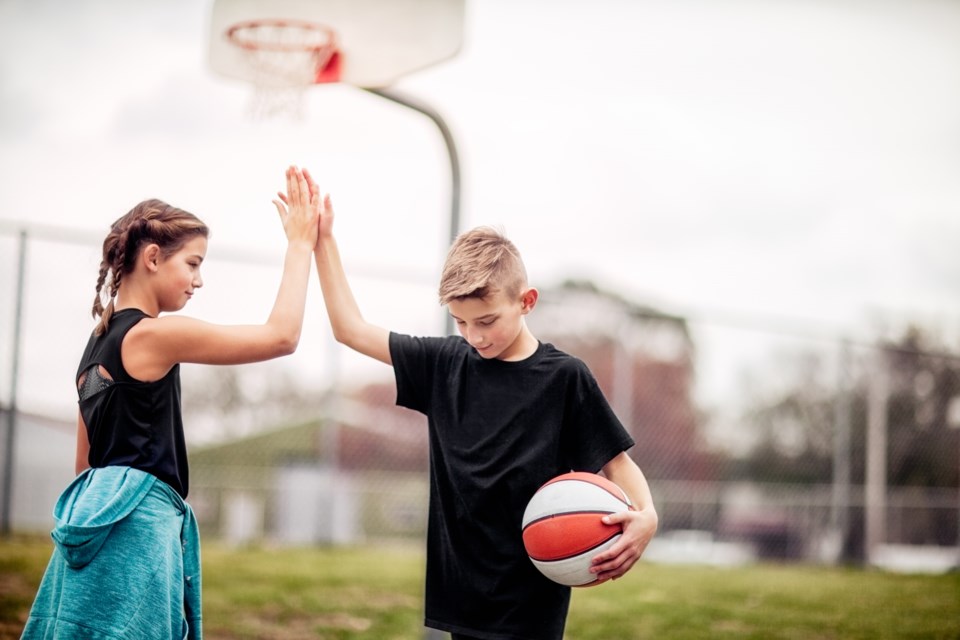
x=498, y=431
x=131, y=423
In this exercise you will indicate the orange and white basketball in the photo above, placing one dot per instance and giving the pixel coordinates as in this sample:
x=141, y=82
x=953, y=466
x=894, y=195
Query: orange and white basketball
x=562, y=527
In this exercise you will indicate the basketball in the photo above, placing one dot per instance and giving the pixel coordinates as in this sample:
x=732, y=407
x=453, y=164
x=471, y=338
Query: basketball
x=562, y=527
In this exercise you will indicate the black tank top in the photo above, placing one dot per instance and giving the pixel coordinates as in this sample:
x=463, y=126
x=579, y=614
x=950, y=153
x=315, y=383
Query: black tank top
x=129, y=422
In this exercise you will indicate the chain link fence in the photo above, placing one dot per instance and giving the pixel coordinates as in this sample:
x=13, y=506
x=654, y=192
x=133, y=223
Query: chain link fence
x=792, y=443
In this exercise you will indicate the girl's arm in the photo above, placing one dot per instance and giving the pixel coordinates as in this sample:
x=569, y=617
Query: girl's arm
x=154, y=345
x=83, y=446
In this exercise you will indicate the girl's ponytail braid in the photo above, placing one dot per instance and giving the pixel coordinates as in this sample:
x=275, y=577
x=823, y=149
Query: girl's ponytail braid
x=109, y=268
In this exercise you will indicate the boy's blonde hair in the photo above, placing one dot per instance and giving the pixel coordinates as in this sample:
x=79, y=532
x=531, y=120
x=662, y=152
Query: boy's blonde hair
x=480, y=263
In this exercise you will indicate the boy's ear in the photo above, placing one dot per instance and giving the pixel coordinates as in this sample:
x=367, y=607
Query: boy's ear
x=150, y=257
x=528, y=300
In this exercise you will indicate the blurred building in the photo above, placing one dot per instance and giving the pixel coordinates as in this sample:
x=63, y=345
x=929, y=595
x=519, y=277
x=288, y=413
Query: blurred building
x=643, y=360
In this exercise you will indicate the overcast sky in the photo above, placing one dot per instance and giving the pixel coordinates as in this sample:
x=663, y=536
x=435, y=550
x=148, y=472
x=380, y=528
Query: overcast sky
x=762, y=159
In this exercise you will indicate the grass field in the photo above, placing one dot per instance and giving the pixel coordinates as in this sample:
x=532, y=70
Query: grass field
x=376, y=593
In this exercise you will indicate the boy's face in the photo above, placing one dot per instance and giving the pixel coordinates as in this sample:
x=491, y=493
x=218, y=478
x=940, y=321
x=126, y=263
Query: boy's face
x=494, y=325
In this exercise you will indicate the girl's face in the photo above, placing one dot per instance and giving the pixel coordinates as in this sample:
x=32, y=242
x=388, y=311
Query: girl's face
x=492, y=325
x=180, y=274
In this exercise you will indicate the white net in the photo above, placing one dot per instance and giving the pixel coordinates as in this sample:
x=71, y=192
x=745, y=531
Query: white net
x=284, y=58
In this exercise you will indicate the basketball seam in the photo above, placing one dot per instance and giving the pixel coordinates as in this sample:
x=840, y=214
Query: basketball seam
x=566, y=513
x=612, y=535
x=622, y=498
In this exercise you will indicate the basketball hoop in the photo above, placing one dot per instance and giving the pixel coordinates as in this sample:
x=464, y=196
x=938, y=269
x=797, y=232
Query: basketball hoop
x=284, y=58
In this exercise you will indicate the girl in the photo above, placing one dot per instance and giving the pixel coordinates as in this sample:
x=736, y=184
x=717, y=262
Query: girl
x=126, y=561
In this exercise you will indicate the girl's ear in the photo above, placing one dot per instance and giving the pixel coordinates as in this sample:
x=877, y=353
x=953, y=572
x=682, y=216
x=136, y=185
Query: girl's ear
x=528, y=300
x=150, y=257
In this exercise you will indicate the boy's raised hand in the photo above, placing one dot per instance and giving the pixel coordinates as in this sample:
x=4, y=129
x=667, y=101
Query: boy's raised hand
x=326, y=208
x=299, y=208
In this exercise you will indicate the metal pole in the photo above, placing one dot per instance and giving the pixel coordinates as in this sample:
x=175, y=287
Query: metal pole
x=623, y=391
x=839, y=512
x=433, y=634
x=876, y=471
x=454, y=164
x=8, y=461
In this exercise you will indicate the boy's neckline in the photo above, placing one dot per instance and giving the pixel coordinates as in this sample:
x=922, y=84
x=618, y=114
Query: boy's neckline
x=530, y=359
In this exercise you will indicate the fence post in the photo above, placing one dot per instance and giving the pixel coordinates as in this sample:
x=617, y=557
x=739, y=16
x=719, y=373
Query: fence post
x=840, y=504
x=876, y=462
x=623, y=375
x=9, y=457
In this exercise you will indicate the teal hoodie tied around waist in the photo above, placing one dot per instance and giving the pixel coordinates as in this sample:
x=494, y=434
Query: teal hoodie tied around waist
x=126, y=562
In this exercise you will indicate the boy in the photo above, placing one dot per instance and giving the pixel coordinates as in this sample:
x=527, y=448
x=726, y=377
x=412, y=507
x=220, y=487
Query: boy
x=506, y=413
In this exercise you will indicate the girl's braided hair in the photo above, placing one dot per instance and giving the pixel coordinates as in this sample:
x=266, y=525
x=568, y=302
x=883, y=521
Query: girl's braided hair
x=150, y=222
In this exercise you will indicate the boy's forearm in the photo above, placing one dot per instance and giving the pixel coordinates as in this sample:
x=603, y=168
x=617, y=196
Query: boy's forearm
x=341, y=306
x=639, y=491
x=349, y=326
x=624, y=472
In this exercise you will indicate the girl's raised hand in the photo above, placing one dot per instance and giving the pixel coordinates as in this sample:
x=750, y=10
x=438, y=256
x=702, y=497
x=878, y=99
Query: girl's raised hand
x=299, y=208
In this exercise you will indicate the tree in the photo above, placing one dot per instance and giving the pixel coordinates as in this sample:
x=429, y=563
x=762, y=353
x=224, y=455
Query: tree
x=794, y=427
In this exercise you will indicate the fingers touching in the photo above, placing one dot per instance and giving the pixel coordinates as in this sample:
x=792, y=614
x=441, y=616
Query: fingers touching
x=303, y=203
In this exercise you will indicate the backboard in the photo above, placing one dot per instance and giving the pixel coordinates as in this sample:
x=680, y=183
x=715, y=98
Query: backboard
x=365, y=43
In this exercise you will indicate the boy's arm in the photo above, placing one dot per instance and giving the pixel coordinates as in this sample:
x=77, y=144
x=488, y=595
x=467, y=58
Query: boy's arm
x=348, y=324
x=638, y=525
x=625, y=473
